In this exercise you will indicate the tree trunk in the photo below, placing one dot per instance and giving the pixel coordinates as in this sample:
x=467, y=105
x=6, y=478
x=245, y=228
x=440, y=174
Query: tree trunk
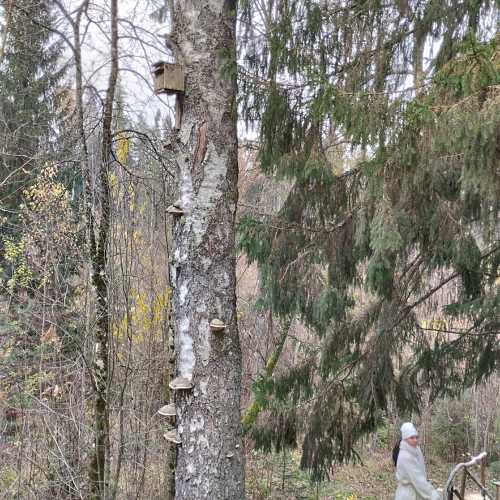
x=99, y=464
x=253, y=410
x=210, y=460
x=418, y=58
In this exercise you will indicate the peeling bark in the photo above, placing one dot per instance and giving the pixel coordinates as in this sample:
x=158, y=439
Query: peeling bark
x=210, y=458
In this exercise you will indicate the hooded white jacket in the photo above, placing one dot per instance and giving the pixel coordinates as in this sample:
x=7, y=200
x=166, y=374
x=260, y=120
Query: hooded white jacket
x=412, y=476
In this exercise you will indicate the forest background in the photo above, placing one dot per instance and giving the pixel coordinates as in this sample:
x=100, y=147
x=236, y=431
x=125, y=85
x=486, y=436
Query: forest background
x=367, y=248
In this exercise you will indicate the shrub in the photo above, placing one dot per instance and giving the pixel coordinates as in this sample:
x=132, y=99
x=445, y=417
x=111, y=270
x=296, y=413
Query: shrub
x=495, y=470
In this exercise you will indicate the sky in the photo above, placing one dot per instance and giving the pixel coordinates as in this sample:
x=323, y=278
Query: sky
x=140, y=46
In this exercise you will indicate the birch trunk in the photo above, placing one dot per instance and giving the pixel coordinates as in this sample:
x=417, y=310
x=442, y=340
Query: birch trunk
x=210, y=459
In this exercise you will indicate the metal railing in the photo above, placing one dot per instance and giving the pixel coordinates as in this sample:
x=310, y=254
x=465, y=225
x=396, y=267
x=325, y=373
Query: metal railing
x=450, y=492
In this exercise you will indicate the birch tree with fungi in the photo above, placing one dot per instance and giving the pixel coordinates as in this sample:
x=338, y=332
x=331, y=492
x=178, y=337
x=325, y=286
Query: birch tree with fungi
x=210, y=461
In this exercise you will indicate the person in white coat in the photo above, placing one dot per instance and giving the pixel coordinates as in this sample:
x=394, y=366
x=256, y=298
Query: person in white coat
x=410, y=469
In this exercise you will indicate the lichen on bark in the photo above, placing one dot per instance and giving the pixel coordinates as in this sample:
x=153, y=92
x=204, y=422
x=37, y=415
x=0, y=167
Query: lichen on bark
x=205, y=151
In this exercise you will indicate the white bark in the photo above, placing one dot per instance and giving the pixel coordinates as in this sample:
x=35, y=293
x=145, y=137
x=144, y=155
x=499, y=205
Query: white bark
x=210, y=459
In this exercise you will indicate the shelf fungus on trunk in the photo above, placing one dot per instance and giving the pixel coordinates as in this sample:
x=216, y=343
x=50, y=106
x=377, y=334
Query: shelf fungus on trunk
x=172, y=437
x=167, y=410
x=175, y=210
x=217, y=325
x=205, y=154
x=181, y=384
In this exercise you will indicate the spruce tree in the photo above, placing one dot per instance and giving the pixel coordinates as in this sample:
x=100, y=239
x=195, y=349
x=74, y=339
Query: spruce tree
x=387, y=246
x=29, y=78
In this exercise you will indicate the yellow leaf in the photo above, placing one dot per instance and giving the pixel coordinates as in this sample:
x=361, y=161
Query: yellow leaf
x=122, y=148
x=49, y=335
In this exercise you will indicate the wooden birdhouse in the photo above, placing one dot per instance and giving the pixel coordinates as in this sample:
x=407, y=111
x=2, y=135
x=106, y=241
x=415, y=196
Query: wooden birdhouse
x=168, y=78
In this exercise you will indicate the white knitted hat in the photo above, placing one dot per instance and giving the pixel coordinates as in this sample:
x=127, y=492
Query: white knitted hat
x=408, y=430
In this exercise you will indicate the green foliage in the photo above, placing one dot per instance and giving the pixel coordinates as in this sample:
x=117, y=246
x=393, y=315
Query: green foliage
x=495, y=470
x=406, y=228
x=379, y=276
x=29, y=84
x=451, y=428
x=14, y=256
x=384, y=435
x=467, y=261
x=385, y=236
x=277, y=433
x=8, y=479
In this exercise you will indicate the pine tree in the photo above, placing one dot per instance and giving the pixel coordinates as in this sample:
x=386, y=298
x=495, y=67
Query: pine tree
x=388, y=243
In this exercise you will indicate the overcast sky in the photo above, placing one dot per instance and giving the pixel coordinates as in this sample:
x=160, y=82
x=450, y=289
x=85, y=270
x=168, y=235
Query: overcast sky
x=140, y=46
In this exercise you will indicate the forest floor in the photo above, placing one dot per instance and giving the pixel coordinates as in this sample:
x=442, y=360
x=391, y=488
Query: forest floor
x=279, y=477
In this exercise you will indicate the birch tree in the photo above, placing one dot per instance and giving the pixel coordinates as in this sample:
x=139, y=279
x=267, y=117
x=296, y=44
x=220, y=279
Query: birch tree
x=208, y=362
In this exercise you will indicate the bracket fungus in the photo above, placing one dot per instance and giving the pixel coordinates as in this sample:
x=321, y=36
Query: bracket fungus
x=175, y=209
x=167, y=410
x=181, y=383
x=172, y=436
x=216, y=325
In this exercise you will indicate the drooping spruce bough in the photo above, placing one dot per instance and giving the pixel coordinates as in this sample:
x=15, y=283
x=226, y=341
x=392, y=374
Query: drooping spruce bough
x=388, y=244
